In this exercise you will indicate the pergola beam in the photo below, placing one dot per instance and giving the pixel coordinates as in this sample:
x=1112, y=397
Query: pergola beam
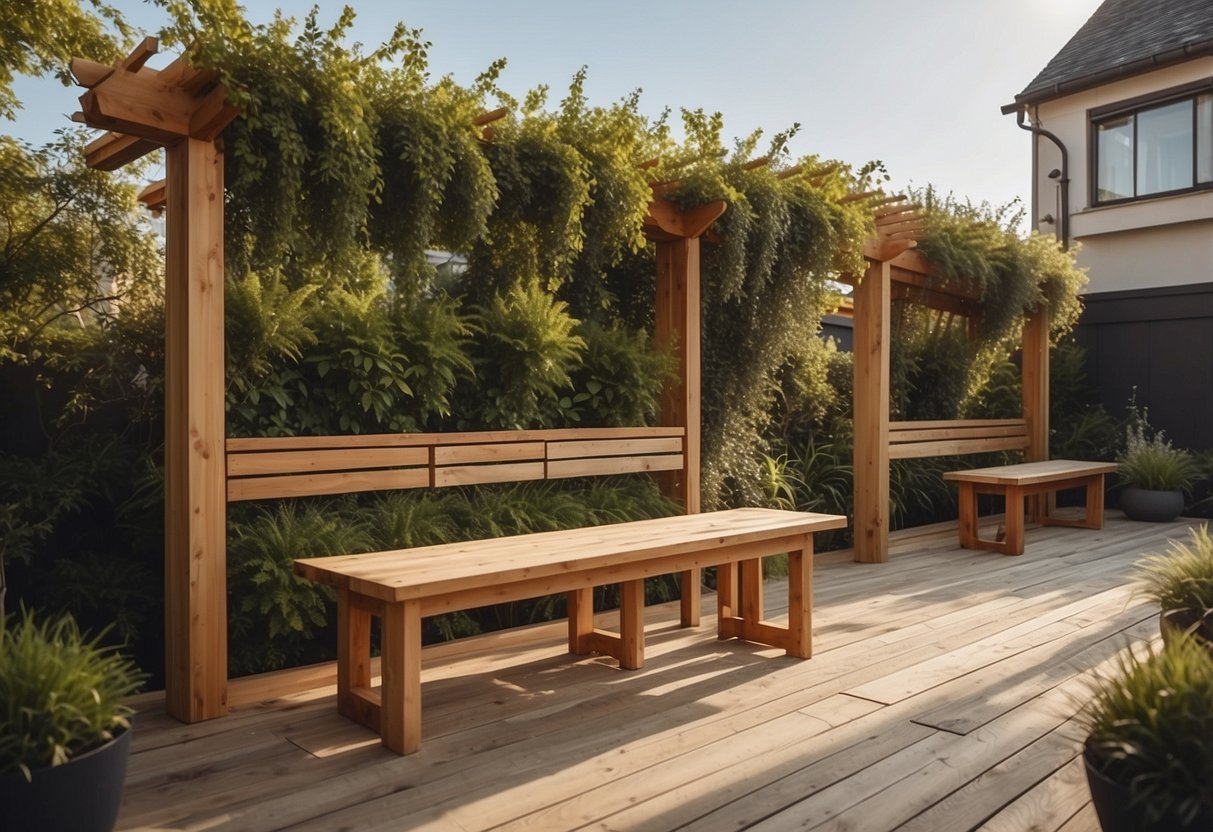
x=666, y=222
x=114, y=150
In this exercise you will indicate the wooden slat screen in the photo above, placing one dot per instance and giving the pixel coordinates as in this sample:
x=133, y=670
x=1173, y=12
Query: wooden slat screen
x=263, y=468
x=912, y=440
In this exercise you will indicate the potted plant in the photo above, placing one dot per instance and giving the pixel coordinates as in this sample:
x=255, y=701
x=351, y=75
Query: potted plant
x=1154, y=474
x=64, y=730
x=1181, y=581
x=1149, y=748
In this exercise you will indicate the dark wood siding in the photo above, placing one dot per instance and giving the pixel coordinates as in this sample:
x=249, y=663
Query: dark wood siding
x=1161, y=342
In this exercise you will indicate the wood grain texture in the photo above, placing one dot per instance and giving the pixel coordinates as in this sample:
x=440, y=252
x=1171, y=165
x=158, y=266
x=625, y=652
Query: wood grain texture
x=195, y=505
x=1032, y=473
x=448, y=568
x=677, y=330
x=871, y=413
x=377, y=440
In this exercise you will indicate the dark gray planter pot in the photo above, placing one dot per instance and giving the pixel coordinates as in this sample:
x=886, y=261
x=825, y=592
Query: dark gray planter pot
x=1151, y=506
x=1117, y=812
x=82, y=795
x=1186, y=623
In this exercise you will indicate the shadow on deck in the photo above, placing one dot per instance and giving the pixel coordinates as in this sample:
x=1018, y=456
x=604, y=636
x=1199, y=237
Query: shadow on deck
x=941, y=696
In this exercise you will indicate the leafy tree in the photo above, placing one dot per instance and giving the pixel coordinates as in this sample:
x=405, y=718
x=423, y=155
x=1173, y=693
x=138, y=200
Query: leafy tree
x=72, y=247
x=40, y=37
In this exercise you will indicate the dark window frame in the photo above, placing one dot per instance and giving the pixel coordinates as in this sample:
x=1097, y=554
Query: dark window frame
x=1133, y=106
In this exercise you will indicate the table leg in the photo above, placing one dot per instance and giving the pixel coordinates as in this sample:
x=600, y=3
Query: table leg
x=800, y=600
x=400, y=714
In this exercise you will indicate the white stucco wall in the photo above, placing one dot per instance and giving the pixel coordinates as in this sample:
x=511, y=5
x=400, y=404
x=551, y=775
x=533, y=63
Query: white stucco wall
x=1165, y=241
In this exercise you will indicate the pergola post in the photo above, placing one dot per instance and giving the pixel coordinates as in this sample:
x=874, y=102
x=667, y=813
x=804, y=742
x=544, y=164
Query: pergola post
x=676, y=234
x=677, y=330
x=1036, y=382
x=873, y=310
x=195, y=505
x=182, y=109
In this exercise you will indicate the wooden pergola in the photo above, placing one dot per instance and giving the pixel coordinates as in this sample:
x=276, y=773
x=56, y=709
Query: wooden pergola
x=184, y=109
x=895, y=271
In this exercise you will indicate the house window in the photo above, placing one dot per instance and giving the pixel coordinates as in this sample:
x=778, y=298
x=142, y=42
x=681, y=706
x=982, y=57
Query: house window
x=1143, y=149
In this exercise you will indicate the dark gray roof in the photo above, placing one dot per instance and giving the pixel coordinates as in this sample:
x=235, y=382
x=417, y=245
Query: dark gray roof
x=1125, y=37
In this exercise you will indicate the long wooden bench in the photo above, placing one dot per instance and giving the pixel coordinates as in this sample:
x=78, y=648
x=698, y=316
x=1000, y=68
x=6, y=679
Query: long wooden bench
x=400, y=587
x=1015, y=482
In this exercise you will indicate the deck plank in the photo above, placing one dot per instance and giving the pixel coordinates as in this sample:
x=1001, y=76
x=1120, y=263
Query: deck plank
x=710, y=734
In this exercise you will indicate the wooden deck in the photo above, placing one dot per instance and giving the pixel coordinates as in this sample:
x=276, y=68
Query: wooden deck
x=940, y=697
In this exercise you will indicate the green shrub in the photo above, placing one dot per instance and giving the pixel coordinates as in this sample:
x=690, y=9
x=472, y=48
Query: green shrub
x=527, y=350
x=273, y=613
x=1150, y=728
x=61, y=693
x=621, y=376
x=1150, y=462
x=1182, y=579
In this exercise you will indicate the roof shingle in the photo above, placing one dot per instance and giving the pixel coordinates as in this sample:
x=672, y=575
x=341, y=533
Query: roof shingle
x=1126, y=36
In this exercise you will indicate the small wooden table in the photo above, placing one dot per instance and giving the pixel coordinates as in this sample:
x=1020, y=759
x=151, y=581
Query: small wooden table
x=1015, y=482
x=400, y=587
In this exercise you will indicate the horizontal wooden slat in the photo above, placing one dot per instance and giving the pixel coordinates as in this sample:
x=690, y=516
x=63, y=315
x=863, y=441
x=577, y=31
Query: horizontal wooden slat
x=480, y=474
x=346, y=459
x=929, y=434
x=262, y=468
x=496, y=452
x=613, y=447
x=605, y=466
x=952, y=423
x=955, y=447
x=284, y=443
x=307, y=485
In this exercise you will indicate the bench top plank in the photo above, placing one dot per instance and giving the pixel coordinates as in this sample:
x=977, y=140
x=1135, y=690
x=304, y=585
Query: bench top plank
x=1032, y=473
x=429, y=571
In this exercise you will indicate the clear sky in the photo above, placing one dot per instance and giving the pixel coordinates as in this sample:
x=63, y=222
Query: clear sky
x=917, y=85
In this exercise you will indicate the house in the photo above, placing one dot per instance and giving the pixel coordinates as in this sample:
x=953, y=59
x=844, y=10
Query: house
x=1122, y=163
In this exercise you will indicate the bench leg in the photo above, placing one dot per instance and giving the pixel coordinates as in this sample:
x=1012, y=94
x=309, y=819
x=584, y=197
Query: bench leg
x=1014, y=522
x=967, y=504
x=688, y=592
x=726, y=598
x=751, y=597
x=581, y=620
x=400, y=713
x=740, y=611
x=800, y=601
x=1095, y=502
x=353, y=655
x=631, y=624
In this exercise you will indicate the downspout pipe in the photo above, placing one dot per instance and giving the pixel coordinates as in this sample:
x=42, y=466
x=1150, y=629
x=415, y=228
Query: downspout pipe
x=1063, y=222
